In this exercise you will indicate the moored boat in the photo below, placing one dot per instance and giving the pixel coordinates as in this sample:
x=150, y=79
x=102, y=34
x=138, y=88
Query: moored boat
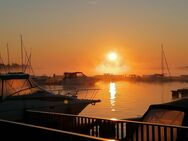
x=19, y=93
x=164, y=122
x=78, y=79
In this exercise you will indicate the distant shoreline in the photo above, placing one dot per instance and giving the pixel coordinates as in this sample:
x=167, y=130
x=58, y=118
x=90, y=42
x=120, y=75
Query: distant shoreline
x=155, y=78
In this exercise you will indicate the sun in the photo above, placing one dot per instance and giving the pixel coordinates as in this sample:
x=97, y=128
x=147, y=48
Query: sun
x=112, y=56
x=113, y=63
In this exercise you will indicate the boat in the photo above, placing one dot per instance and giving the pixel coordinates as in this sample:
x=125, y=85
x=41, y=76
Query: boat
x=78, y=79
x=159, y=116
x=19, y=93
x=179, y=93
x=172, y=113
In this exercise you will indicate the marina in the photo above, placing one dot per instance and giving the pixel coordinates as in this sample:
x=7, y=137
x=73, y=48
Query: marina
x=65, y=111
x=117, y=122
x=94, y=70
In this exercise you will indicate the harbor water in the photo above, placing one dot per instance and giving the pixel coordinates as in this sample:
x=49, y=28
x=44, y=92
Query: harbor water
x=124, y=99
x=121, y=100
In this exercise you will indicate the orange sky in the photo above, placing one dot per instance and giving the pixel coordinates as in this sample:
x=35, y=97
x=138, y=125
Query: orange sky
x=76, y=36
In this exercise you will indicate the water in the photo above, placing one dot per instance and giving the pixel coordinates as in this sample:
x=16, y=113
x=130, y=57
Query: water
x=122, y=100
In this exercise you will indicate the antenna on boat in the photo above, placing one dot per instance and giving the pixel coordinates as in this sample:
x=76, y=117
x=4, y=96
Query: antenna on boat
x=8, y=58
x=21, y=52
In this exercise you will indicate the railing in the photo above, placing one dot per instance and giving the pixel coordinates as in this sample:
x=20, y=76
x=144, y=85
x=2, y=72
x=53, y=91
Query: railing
x=19, y=131
x=109, y=128
x=82, y=93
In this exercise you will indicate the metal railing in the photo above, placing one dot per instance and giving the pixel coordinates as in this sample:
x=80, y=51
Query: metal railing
x=20, y=131
x=109, y=128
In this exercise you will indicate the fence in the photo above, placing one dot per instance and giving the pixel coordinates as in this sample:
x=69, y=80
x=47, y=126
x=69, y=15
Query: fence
x=108, y=128
x=19, y=131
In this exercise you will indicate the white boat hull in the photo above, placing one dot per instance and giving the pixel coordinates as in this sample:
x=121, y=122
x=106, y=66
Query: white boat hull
x=14, y=110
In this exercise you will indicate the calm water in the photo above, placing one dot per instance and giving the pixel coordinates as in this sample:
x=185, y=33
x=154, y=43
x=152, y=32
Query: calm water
x=126, y=99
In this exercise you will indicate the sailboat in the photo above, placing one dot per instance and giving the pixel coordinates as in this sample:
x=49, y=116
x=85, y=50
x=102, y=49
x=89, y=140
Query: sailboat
x=164, y=75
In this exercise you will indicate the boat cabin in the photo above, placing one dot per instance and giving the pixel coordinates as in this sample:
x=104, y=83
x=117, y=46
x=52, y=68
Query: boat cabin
x=72, y=75
x=173, y=113
x=14, y=84
x=157, y=116
x=180, y=93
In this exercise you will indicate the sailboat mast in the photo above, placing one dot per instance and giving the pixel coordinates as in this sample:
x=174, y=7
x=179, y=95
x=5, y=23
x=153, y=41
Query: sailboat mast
x=21, y=52
x=8, y=58
x=167, y=65
x=1, y=61
x=162, y=60
x=30, y=65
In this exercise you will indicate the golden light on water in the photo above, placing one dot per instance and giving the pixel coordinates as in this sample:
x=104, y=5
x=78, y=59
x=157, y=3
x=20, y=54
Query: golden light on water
x=112, y=90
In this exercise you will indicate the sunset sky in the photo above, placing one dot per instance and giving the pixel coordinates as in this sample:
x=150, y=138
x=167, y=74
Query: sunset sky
x=78, y=35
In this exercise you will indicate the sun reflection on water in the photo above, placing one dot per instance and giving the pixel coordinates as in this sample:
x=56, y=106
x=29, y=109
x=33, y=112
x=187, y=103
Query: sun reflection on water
x=112, y=90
